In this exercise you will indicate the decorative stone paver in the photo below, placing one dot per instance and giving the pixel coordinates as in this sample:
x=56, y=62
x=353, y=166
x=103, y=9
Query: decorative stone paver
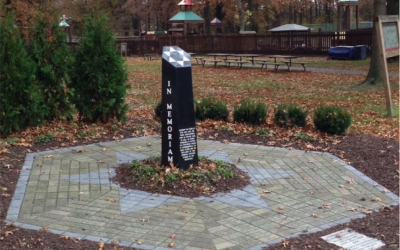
x=70, y=192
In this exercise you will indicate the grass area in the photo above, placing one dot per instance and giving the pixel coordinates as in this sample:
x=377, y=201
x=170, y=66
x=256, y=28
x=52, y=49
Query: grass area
x=307, y=89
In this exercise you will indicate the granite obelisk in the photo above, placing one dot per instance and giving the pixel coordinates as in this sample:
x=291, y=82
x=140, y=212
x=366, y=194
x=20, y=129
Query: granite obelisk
x=179, y=137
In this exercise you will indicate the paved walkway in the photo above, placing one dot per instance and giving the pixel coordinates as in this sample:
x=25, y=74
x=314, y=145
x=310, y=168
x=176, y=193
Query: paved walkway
x=291, y=192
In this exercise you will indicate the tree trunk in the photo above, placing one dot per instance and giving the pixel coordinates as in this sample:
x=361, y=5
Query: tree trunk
x=374, y=76
x=241, y=14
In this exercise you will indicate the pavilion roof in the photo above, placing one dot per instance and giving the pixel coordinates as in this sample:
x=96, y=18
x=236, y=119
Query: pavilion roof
x=290, y=27
x=187, y=16
x=216, y=21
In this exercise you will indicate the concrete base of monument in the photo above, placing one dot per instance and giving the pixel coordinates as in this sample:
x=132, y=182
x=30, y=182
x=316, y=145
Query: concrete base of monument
x=291, y=192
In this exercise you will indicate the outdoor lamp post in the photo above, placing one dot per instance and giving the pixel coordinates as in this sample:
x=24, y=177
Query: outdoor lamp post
x=63, y=24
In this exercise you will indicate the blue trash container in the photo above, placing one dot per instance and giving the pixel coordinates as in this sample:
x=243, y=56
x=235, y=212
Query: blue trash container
x=341, y=52
x=360, y=52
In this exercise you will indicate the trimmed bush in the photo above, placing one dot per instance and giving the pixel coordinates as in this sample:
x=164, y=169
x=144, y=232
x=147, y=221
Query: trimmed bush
x=332, y=119
x=21, y=104
x=250, y=112
x=290, y=116
x=158, y=109
x=53, y=64
x=211, y=108
x=99, y=78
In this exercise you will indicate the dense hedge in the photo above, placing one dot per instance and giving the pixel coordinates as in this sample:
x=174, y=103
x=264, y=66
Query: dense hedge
x=99, y=78
x=211, y=108
x=332, y=119
x=21, y=102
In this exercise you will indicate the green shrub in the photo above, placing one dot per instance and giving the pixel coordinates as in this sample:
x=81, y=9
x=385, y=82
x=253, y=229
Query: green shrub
x=53, y=60
x=157, y=109
x=263, y=131
x=44, y=138
x=290, y=116
x=304, y=136
x=250, y=112
x=331, y=119
x=99, y=78
x=211, y=108
x=21, y=104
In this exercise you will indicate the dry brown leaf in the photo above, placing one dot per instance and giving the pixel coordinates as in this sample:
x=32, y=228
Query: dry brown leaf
x=352, y=209
x=3, y=188
x=104, y=149
x=285, y=243
x=44, y=229
x=7, y=233
x=375, y=199
x=172, y=244
x=81, y=151
x=364, y=211
x=101, y=245
x=326, y=206
x=65, y=237
x=172, y=236
x=263, y=184
x=339, y=235
x=139, y=242
x=111, y=199
x=48, y=156
x=267, y=192
x=9, y=166
x=10, y=224
x=385, y=209
x=341, y=186
x=186, y=211
x=315, y=215
x=312, y=192
x=351, y=181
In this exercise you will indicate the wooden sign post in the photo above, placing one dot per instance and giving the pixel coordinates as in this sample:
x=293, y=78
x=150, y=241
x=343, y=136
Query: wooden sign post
x=387, y=31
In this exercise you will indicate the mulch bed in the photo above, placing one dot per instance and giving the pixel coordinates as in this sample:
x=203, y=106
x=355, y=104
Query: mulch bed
x=376, y=157
x=124, y=178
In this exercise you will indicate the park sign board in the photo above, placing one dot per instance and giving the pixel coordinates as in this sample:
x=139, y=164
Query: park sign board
x=178, y=125
x=387, y=32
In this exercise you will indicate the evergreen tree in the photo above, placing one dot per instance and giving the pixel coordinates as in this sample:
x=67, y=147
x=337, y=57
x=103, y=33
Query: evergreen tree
x=99, y=78
x=53, y=60
x=20, y=101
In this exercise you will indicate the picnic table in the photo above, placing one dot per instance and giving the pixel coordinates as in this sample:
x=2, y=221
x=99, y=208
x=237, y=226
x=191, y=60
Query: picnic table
x=149, y=57
x=219, y=54
x=283, y=57
x=288, y=63
x=247, y=55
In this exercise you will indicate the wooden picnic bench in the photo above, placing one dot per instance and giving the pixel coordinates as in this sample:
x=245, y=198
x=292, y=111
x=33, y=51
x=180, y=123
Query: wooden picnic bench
x=301, y=63
x=276, y=65
x=199, y=59
x=151, y=57
x=212, y=61
x=238, y=62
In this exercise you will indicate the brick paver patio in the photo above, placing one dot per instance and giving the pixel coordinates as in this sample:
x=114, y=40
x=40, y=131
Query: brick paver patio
x=292, y=192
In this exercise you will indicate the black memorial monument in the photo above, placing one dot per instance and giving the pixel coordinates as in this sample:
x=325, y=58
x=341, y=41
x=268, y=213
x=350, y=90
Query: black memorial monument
x=179, y=141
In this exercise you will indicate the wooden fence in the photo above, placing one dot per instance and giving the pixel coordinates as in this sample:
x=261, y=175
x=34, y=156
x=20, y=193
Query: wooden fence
x=295, y=43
